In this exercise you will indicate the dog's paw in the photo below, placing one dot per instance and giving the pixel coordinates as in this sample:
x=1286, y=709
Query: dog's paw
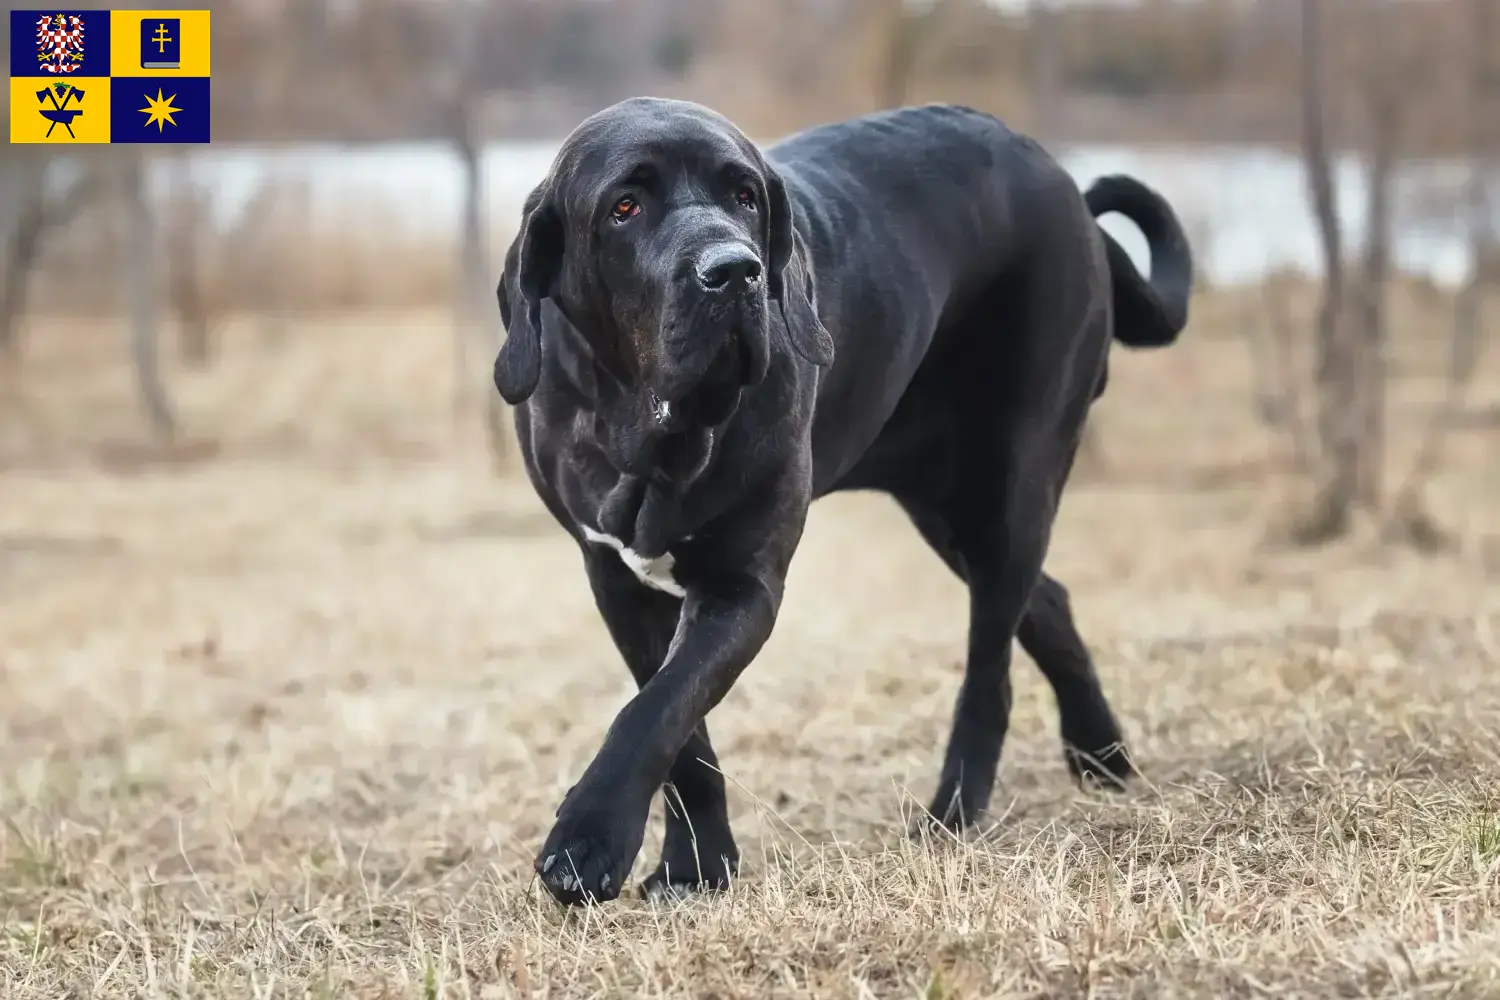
x=676, y=880
x=1109, y=768
x=589, y=852
x=955, y=811
x=933, y=827
x=924, y=828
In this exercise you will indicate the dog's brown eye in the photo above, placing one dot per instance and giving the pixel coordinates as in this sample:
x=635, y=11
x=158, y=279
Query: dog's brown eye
x=625, y=208
x=746, y=197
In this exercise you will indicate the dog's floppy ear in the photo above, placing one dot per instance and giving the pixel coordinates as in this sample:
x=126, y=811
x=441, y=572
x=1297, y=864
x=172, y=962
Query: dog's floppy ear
x=790, y=278
x=531, y=266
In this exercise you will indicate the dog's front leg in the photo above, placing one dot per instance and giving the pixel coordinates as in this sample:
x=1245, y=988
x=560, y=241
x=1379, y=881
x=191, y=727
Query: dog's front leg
x=699, y=853
x=724, y=622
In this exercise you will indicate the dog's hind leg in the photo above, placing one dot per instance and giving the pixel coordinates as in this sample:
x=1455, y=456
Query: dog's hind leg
x=698, y=852
x=1027, y=360
x=989, y=517
x=992, y=532
x=1092, y=743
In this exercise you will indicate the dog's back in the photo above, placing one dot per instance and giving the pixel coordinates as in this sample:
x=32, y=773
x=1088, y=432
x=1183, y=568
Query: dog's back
x=915, y=197
x=913, y=218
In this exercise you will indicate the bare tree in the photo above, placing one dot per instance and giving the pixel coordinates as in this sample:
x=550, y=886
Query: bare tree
x=462, y=99
x=1279, y=397
x=142, y=294
x=1409, y=511
x=910, y=24
x=188, y=226
x=31, y=214
x=1270, y=335
x=22, y=221
x=1046, y=69
x=1479, y=210
x=1382, y=86
x=1335, y=376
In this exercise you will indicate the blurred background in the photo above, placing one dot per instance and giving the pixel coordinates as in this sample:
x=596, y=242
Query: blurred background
x=317, y=284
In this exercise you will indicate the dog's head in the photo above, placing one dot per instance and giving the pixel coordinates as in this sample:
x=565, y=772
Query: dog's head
x=667, y=244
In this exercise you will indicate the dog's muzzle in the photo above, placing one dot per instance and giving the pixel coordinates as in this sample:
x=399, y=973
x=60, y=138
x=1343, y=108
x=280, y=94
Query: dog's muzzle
x=722, y=349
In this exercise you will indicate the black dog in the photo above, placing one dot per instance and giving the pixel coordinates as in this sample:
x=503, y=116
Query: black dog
x=706, y=338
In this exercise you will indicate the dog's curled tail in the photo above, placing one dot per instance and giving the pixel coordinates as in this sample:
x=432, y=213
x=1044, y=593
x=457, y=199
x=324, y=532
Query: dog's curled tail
x=1148, y=313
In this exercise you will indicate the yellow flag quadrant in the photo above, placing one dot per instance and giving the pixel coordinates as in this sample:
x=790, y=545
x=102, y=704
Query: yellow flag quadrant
x=90, y=124
x=125, y=42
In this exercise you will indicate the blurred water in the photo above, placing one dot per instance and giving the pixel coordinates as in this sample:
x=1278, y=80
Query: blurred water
x=1245, y=207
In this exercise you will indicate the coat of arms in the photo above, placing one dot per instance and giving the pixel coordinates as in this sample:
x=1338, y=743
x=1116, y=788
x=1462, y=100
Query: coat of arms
x=59, y=42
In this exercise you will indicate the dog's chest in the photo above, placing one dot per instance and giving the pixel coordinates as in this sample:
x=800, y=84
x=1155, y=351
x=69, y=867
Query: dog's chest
x=638, y=521
x=655, y=572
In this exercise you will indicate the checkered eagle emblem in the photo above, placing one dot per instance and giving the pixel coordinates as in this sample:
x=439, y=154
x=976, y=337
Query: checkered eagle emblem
x=59, y=42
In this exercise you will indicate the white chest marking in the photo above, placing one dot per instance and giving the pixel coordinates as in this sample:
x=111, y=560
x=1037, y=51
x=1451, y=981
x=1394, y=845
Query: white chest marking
x=655, y=573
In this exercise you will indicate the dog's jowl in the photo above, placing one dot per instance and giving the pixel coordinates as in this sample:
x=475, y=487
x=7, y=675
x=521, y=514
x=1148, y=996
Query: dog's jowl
x=704, y=337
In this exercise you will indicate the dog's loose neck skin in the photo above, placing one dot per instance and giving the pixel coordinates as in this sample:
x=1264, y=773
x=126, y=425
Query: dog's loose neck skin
x=628, y=423
x=656, y=479
x=639, y=519
x=653, y=463
x=642, y=511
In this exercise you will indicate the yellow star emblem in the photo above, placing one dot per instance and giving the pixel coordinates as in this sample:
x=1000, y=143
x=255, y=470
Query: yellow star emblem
x=160, y=110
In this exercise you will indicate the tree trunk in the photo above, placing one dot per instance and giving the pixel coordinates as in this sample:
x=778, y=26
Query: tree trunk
x=32, y=214
x=21, y=252
x=1484, y=148
x=22, y=219
x=142, y=293
x=1384, y=122
x=469, y=268
x=900, y=59
x=1335, y=375
x=1282, y=404
x=184, y=259
x=1047, y=70
x=908, y=30
x=1409, y=511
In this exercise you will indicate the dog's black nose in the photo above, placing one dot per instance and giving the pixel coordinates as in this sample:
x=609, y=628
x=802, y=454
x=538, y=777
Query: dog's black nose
x=722, y=267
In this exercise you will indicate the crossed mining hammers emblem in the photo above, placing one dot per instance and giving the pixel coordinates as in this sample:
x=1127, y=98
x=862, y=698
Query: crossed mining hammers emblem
x=60, y=113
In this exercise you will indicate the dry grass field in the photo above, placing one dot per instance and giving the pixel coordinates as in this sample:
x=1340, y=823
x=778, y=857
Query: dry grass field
x=288, y=711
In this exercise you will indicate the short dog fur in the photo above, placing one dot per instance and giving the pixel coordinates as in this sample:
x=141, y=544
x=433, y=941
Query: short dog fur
x=704, y=337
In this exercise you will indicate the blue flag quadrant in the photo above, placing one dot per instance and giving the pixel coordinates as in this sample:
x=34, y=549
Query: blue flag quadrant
x=59, y=45
x=159, y=109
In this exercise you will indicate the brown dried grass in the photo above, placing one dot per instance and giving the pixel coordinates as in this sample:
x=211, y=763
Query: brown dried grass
x=290, y=719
